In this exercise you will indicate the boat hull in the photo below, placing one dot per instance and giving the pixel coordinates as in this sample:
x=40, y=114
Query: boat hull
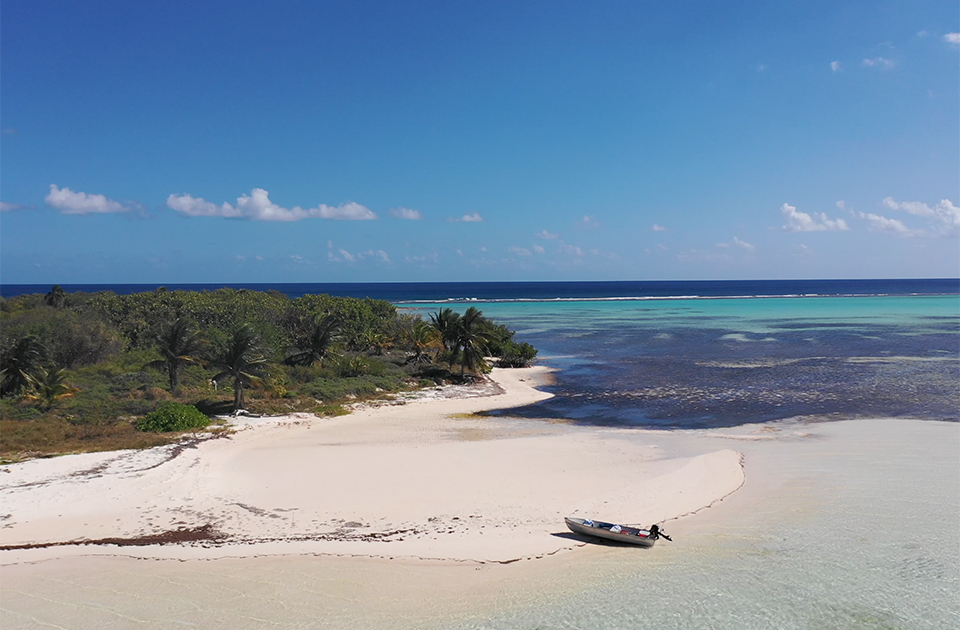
x=627, y=535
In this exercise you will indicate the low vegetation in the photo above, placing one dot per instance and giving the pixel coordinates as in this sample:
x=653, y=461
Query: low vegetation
x=173, y=416
x=84, y=372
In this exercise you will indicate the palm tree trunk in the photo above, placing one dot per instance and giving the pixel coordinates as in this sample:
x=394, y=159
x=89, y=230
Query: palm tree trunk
x=237, y=394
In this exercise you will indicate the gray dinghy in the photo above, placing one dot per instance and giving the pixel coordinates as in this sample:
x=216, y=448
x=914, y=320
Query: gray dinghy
x=619, y=533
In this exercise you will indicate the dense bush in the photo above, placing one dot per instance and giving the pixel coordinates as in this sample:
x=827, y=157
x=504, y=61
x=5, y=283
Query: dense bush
x=516, y=355
x=71, y=339
x=173, y=416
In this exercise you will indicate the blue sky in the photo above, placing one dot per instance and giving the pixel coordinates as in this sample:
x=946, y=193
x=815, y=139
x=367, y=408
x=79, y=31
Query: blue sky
x=168, y=142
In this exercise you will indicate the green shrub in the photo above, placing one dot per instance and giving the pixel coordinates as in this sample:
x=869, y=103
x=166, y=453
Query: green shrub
x=516, y=355
x=172, y=416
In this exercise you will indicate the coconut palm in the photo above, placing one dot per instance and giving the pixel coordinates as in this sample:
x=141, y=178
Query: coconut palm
x=180, y=344
x=423, y=337
x=326, y=331
x=49, y=386
x=21, y=362
x=243, y=361
x=472, y=337
x=445, y=323
x=56, y=297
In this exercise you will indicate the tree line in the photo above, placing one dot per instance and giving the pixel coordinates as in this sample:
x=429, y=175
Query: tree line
x=71, y=350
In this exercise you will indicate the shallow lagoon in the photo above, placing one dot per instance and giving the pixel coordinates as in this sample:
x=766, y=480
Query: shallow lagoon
x=689, y=363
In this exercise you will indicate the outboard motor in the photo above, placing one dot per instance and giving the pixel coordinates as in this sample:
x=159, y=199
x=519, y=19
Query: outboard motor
x=655, y=533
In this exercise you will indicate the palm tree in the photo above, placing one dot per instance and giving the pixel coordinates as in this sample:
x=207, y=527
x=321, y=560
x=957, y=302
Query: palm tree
x=56, y=297
x=21, y=362
x=243, y=361
x=326, y=330
x=423, y=337
x=49, y=386
x=179, y=345
x=445, y=323
x=472, y=337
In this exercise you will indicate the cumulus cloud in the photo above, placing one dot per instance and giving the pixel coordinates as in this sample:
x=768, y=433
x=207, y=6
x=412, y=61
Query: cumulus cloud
x=878, y=223
x=546, y=235
x=945, y=215
x=538, y=249
x=342, y=255
x=406, y=213
x=836, y=66
x=879, y=62
x=803, y=222
x=378, y=254
x=519, y=251
x=473, y=217
x=952, y=38
x=658, y=228
x=570, y=250
x=258, y=207
x=70, y=202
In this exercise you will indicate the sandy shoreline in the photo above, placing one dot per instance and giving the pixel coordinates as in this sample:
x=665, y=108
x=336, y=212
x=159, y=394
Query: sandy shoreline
x=423, y=480
x=472, y=508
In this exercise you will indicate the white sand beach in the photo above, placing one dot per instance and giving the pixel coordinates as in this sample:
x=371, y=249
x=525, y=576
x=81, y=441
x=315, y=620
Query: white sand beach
x=399, y=515
x=422, y=480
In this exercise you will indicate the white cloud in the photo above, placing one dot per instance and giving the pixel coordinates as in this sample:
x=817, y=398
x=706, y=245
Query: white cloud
x=406, y=213
x=945, y=214
x=258, y=207
x=952, y=38
x=836, y=66
x=658, y=228
x=803, y=222
x=519, y=251
x=10, y=207
x=374, y=253
x=69, y=202
x=743, y=245
x=538, y=249
x=570, y=250
x=588, y=222
x=431, y=258
x=879, y=62
x=883, y=224
x=546, y=235
x=473, y=217
x=346, y=256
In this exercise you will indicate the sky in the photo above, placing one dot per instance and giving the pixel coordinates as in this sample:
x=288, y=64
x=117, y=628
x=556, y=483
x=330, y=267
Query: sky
x=254, y=141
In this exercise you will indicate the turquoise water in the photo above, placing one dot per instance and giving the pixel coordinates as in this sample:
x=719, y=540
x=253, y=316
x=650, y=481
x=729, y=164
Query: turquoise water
x=862, y=534
x=696, y=363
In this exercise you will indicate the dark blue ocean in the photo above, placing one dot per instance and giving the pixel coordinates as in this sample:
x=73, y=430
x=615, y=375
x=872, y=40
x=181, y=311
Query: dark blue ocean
x=507, y=291
x=706, y=354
